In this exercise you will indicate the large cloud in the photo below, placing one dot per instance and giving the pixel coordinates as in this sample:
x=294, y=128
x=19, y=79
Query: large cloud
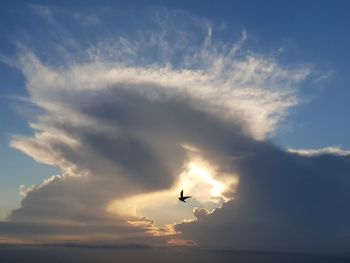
x=116, y=124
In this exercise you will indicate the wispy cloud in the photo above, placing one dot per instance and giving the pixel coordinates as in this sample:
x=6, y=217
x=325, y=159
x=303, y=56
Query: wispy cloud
x=41, y=10
x=327, y=150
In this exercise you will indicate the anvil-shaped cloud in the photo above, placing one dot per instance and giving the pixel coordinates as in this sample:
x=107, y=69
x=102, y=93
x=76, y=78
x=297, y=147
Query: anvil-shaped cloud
x=119, y=127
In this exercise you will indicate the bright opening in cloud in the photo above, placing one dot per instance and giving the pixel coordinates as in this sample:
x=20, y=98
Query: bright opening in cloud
x=199, y=178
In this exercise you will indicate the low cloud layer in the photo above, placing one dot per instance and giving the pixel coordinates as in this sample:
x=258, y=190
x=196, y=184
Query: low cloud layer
x=119, y=125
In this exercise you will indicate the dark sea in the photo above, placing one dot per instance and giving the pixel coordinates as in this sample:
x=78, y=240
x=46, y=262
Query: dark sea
x=55, y=254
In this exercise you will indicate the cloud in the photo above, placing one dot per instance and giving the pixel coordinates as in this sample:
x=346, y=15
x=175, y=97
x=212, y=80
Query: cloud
x=314, y=152
x=200, y=214
x=124, y=117
x=41, y=10
x=285, y=202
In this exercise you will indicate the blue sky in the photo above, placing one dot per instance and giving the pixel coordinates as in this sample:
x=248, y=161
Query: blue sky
x=314, y=34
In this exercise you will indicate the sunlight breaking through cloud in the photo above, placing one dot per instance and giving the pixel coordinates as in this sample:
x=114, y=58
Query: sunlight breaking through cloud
x=131, y=121
x=198, y=179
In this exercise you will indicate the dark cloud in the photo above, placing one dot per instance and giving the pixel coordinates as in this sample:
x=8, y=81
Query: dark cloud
x=143, y=153
x=285, y=202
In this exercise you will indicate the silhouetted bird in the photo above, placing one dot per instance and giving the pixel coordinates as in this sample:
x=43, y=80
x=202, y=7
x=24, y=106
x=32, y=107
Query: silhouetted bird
x=182, y=198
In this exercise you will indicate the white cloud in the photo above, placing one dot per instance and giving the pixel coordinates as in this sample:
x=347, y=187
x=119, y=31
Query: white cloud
x=115, y=122
x=314, y=152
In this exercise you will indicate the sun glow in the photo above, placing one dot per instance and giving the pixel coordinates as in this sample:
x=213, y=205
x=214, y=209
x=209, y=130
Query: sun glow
x=202, y=181
x=199, y=179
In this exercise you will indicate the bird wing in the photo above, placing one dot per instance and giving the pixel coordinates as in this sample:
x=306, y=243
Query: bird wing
x=182, y=193
x=186, y=197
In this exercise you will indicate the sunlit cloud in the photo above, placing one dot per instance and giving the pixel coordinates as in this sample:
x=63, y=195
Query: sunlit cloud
x=199, y=179
x=131, y=121
x=121, y=126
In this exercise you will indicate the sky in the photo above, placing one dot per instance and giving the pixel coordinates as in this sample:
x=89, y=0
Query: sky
x=109, y=109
